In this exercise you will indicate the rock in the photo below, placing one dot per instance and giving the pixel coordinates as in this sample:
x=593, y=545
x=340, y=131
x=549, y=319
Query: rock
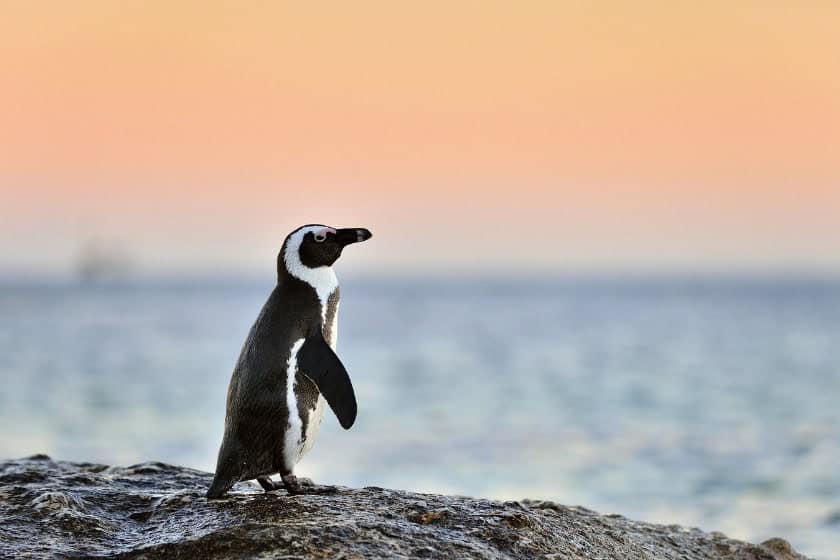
x=54, y=509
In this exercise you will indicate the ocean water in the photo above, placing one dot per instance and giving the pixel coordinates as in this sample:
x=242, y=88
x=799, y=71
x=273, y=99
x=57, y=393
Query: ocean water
x=711, y=402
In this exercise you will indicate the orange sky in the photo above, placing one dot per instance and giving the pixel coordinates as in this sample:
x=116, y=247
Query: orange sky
x=550, y=135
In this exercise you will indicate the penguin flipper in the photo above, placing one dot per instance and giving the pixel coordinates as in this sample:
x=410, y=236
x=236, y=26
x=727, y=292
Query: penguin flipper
x=317, y=361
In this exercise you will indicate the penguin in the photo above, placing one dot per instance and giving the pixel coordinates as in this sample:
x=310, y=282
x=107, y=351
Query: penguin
x=288, y=369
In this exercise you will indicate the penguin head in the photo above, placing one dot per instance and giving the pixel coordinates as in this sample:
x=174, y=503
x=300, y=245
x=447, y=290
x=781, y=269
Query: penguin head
x=316, y=246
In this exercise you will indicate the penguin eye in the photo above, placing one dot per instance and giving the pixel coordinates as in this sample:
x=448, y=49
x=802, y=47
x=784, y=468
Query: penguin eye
x=320, y=237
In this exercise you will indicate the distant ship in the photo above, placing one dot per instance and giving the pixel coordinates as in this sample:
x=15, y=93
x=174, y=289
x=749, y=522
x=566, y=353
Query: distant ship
x=98, y=261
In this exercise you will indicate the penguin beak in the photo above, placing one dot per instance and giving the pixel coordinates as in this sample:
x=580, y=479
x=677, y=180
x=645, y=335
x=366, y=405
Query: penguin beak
x=347, y=236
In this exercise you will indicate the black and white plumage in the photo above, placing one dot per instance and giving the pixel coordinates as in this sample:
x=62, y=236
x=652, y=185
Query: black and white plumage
x=288, y=368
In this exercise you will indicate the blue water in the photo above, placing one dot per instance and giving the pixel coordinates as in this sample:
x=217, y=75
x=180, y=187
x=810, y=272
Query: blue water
x=707, y=402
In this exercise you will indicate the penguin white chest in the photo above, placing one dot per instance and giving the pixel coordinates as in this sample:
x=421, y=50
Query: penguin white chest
x=293, y=433
x=298, y=436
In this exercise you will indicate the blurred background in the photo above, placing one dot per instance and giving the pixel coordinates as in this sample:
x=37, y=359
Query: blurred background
x=606, y=257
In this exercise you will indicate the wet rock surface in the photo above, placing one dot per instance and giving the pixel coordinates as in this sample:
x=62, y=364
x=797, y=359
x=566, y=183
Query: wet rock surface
x=52, y=509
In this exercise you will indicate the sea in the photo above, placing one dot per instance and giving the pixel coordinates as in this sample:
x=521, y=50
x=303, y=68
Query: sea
x=707, y=401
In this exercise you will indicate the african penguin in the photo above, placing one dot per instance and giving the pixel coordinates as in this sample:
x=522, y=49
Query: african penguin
x=288, y=367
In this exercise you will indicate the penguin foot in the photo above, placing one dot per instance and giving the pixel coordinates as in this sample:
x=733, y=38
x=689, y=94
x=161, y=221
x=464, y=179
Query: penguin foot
x=290, y=482
x=303, y=486
x=267, y=484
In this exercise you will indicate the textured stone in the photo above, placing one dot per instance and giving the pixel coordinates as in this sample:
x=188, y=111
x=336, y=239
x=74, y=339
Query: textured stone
x=54, y=509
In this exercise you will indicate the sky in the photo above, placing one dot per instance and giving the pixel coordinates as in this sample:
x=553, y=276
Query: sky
x=468, y=136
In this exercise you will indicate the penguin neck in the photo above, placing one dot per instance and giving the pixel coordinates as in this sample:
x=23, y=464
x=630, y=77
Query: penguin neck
x=322, y=280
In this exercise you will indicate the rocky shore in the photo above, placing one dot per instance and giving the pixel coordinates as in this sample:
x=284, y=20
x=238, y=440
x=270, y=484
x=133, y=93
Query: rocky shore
x=57, y=509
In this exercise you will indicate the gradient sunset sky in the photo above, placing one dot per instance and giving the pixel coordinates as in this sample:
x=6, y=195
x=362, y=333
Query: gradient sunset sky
x=562, y=136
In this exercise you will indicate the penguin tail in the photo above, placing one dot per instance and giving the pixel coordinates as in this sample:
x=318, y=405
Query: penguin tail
x=218, y=488
x=228, y=468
